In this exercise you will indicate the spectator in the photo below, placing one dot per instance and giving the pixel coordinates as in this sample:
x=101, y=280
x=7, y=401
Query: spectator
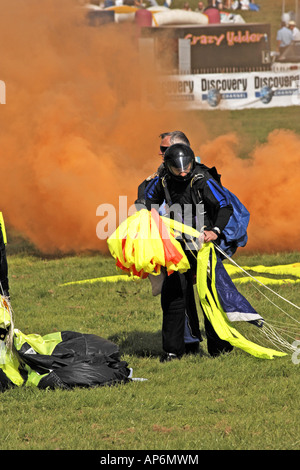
x=200, y=7
x=186, y=6
x=284, y=37
x=295, y=31
x=213, y=13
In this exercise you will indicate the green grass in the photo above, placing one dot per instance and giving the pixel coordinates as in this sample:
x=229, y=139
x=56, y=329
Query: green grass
x=251, y=127
x=232, y=402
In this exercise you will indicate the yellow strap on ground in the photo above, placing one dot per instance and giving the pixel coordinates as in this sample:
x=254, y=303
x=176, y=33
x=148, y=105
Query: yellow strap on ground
x=265, y=280
x=122, y=277
x=287, y=269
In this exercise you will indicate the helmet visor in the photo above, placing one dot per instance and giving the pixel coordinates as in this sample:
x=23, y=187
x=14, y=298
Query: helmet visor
x=181, y=165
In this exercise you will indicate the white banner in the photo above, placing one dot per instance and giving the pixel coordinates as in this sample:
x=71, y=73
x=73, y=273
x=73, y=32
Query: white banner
x=232, y=91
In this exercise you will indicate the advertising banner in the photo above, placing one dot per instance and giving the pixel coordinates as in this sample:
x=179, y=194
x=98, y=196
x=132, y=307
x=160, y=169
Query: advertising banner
x=232, y=91
x=214, y=48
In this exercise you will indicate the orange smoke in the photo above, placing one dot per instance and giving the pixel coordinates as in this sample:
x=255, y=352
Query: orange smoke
x=74, y=133
x=268, y=185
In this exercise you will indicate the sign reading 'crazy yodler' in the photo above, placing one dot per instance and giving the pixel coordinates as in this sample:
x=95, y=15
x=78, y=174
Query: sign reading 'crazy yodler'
x=240, y=45
x=235, y=47
x=230, y=38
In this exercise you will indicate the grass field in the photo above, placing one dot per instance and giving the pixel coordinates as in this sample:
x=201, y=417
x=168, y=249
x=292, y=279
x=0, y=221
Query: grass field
x=233, y=402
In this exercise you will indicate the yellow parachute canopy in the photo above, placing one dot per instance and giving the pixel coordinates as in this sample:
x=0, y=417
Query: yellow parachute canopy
x=5, y=317
x=142, y=244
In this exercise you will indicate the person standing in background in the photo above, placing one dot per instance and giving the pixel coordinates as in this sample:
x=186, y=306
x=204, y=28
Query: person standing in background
x=284, y=37
x=295, y=31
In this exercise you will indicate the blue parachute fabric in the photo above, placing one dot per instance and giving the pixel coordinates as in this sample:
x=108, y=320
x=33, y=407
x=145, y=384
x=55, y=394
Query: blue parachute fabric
x=219, y=193
x=234, y=304
x=188, y=337
x=235, y=232
x=149, y=192
x=150, y=187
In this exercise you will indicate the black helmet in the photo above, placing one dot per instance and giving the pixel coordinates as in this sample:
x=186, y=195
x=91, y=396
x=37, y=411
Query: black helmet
x=179, y=158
